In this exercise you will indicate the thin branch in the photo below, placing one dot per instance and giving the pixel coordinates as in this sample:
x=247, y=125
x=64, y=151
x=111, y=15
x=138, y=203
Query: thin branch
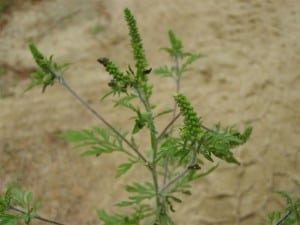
x=168, y=126
x=166, y=171
x=92, y=110
x=206, y=128
x=37, y=216
x=182, y=174
x=284, y=217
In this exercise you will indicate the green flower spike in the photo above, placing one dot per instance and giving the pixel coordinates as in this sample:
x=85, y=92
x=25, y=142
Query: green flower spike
x=137, y=46
x=120, y=81
x=191, y=130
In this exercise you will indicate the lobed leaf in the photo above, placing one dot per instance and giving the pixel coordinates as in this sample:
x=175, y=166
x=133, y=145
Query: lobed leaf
x=190, y=59
x=8, y=219
x=176, y=45
x=125, y=102
x=97, y=140
x=123, y=168
x=142, y=192
x=109, y=219
x=163, y=71
x=166, y=111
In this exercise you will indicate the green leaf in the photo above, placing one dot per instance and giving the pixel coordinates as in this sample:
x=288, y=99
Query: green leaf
x=123, y=168
x=142, y=192
x=107, y=94
x=125, y=102
x=163, y=71
x=76, y=136
x=37, y=205
x=175, y=199
x=175, y=42
x=7, y=219
x=190, y=59
x=221, y=141
x=197, y=176
x=28, y=200
x=186, y=192
x=142, y=119
x=176, y=45
x=96, y=151
x=246, y=134
x=170, y=148
x=140, y=212
x=5, y=200
x=139, y=124
x=288, y=198
x=273, y=217
x=97, y=140
x=109, y=219
x=166, y=111
x=125, y=204
x=26, y=217
x=18, y=197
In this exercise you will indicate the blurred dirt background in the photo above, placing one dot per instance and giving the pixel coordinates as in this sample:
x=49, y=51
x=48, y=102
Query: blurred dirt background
x=251, y=76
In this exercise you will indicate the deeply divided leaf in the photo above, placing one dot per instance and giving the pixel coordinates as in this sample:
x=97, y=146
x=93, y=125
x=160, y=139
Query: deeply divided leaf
x=123, y=168
x=96, y=140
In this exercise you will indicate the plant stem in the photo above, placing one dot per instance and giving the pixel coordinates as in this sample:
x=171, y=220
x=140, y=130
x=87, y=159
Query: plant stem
x=181, y=174
x=284, y=217
x=177, y=79
x=37, y=216
x=92, y=110
x=154, y=143
x=168, y=126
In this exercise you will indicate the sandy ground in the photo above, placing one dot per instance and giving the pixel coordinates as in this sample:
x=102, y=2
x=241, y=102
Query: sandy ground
x=249, y=77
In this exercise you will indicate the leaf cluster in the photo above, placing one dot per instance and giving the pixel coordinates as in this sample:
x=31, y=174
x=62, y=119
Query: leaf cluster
x=48, y=70
x=16, y=197
x=97, y=141
x=219, y=143
x=136, y=217
x=291, y=216
x=176, y=52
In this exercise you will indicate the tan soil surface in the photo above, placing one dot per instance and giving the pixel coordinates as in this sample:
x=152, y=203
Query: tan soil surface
x=251, y=76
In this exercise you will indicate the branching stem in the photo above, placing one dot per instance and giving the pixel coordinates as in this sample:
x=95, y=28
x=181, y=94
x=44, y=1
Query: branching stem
x=177, y=80
x=181, y=174
x=153, y=140
x=37, y=216
x=284, y=217
x=93, y=111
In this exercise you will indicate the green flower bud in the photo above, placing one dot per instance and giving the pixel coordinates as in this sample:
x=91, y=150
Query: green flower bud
x=120, y=81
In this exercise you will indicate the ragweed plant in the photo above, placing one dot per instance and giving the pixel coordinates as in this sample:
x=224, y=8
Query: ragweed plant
x=173, y=161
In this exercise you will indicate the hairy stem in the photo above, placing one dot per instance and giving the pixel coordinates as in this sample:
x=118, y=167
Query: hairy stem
x=36, y=216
